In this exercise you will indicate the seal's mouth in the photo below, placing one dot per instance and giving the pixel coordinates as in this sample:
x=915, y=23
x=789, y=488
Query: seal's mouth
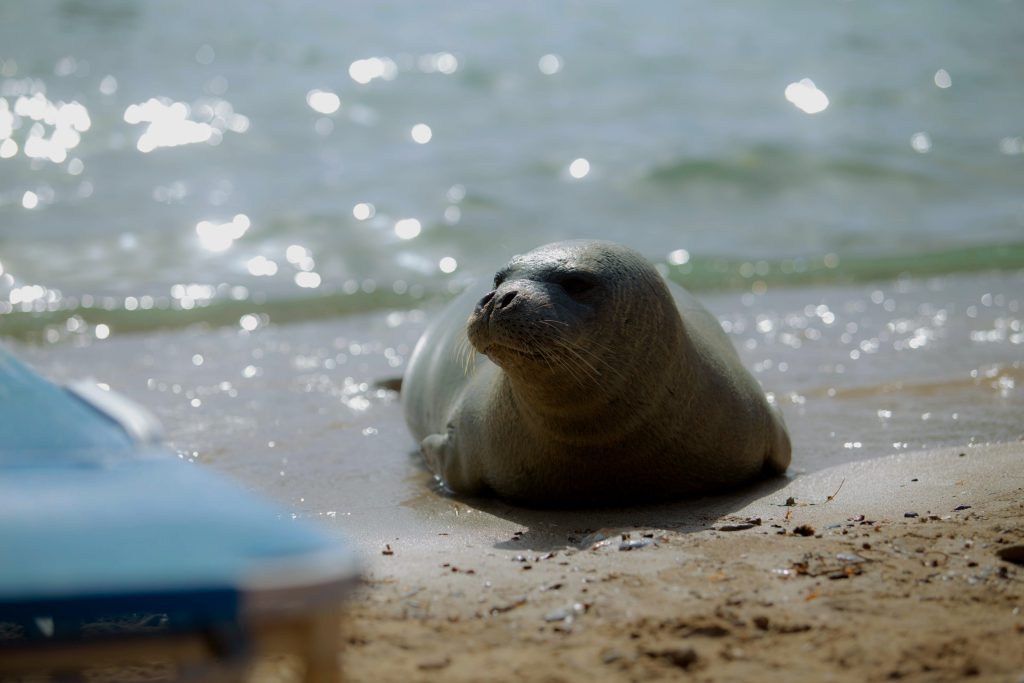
x=503, y=350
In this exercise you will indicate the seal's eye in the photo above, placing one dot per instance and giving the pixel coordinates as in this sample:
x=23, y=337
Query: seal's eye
x=574, y=285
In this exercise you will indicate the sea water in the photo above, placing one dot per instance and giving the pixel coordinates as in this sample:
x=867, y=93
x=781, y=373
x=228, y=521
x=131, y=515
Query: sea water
x=240, y=214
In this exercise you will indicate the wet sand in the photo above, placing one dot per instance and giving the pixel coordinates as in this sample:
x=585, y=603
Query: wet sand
x=883, y=569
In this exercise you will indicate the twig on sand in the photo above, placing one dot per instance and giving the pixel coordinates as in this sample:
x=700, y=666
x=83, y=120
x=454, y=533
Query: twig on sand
x=829, y=499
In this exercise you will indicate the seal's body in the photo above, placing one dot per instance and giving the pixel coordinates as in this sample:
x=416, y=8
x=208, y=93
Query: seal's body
x=589, y=380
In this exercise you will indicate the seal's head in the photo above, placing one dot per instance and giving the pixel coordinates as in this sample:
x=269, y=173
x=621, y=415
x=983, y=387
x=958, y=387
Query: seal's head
x=576, y=312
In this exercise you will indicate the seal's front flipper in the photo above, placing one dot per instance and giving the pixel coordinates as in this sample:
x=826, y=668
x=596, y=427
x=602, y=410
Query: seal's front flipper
x=443, y=459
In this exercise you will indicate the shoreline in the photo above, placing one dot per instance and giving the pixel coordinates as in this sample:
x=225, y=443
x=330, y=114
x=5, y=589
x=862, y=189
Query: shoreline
x=840, y=585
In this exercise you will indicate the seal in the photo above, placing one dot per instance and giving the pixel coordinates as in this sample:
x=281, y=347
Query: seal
x=585, y=378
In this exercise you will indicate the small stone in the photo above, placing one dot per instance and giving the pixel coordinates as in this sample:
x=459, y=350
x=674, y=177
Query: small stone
x=910, y=515
x=682, y=657
x=433, y=664
x=804, y=530
x=852, y=558
x=958, y=508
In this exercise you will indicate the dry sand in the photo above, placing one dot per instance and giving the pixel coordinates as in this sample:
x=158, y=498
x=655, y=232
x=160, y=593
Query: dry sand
x=886, y=569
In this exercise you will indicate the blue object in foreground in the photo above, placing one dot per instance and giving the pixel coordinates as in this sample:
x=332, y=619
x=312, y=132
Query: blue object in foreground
x=98, y=527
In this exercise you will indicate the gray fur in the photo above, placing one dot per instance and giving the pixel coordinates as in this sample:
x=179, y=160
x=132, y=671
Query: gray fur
x=602, y=384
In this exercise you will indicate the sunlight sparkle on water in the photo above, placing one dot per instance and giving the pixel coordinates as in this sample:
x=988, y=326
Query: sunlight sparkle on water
x=363, y=71
x=323, y=101
x=679, y=257
x=108, y=86
x=249, y=322
x=220, y=236
x=68, y=121
x=307, y=280
x=579, y=168
x=408, y=228
x=921, y=142
x=448, y=264
x=363, y=211
x=6, y=120
x=296, y=254
x=942, y=79
x=421, y=133
x=549, y=64
x=30, y=199
x=806, y=96
x=170, y=125
x=261, y=266
x=440, y=62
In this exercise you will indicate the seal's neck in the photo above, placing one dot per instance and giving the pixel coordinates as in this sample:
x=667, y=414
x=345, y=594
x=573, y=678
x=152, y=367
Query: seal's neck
x=604, y=405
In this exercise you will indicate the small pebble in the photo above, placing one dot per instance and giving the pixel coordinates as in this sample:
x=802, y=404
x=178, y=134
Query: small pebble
x=910, y=514
x=433, y=664
x=683, y=657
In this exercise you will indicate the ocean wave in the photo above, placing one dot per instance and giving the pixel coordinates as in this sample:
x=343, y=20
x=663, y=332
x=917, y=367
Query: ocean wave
x=698, y=273
x=768, y=168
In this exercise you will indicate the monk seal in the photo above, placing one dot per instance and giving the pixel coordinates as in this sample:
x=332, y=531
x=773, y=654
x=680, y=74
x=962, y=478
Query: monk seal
x=590, y=380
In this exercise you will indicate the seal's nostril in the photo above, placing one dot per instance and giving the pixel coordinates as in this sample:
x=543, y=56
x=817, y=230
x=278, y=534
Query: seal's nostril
x=507, y=299
x=486, y=300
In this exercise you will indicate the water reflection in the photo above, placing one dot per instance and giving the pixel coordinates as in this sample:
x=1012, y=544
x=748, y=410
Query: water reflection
x=56, y=128
x=806, y=96
x=363, y=71
x=220, y=236
x=550, y=64
x=170, y=123
x=579, y=168
x=261, y=266
x=921, y=142
x=323, y=101
x=421, y=133
x=363, y=211
x=408, y=228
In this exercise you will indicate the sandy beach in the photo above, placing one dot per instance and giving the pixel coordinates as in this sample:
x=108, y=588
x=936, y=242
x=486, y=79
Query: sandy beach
x=899, y=568
x=717, y=589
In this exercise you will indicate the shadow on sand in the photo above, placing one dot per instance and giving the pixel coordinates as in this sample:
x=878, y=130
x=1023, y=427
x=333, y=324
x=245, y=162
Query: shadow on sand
x=552, y=529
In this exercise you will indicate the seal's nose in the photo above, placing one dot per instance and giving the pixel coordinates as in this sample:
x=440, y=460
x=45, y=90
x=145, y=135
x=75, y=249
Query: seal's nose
x=507, y=299
x=483, y=302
